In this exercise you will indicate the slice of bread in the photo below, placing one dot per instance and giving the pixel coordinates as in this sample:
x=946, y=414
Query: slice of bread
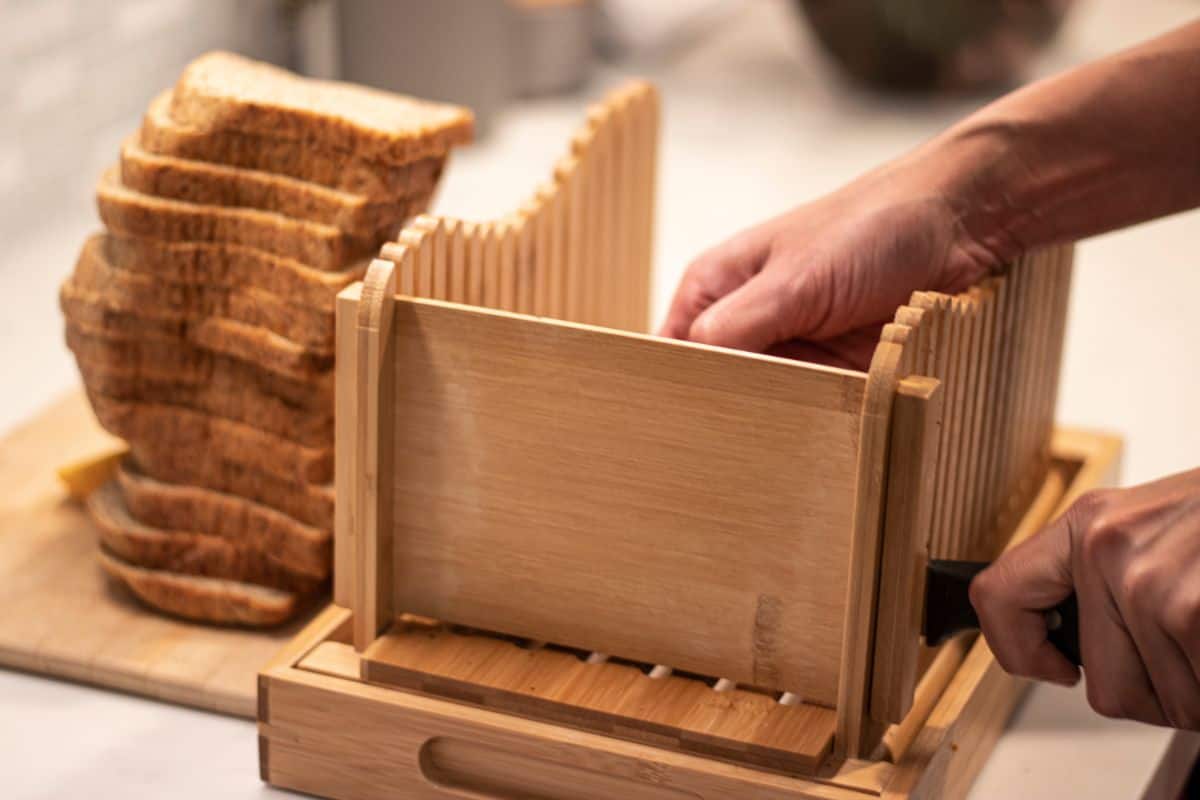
x=156, y=298
x=213, y=600
x=301, y=548
x=214, y=184
x=182, y=364
x=228, y=266
x=319, y=246
x=90, y=313
x=225, y=398
x=224, y=91
x=336, y=169
x=186, y=551
x=312, y=505
x=207, y=439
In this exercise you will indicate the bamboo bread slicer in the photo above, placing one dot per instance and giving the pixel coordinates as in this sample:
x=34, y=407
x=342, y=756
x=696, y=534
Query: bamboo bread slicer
x=575, y=560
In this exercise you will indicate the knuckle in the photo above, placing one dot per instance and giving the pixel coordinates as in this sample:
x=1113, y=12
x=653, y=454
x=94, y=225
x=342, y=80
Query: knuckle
x=1140, y=585
x=1103, y=535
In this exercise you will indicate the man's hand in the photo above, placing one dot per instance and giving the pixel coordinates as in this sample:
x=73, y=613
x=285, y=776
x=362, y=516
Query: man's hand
x=1132, y=556
x=818, y=282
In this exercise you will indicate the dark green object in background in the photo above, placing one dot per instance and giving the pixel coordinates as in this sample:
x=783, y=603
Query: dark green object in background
x=929, y=45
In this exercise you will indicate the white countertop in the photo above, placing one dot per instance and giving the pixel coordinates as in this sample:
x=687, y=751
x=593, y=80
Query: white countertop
x=753, y=125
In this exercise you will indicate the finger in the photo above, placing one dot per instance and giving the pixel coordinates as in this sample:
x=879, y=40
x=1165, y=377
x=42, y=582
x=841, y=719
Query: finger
x=1118, y=684
x=1011, y=597
x=711, y=277
x=752, y=317
x=1148, y=601
x=849, y=351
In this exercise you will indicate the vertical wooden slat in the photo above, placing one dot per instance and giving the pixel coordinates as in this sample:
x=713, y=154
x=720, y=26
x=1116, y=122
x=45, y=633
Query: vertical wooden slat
x=507, y=233
x=916, y=416
x=346, y=388
x=370, y=474
x=491, y=265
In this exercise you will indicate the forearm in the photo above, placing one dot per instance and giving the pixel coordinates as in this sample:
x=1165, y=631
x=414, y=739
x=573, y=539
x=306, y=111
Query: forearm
x=1110, y=144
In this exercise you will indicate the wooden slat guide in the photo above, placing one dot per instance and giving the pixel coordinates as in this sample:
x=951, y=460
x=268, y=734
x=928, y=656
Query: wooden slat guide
x=580, y=246
x=597, y=693
x=504, y=433
x=60, y=616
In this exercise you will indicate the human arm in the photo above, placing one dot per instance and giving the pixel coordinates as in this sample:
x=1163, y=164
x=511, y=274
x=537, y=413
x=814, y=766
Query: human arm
x=1102, y=146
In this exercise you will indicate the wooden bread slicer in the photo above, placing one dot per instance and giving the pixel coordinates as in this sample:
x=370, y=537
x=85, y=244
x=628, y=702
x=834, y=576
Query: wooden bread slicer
x=575, y=560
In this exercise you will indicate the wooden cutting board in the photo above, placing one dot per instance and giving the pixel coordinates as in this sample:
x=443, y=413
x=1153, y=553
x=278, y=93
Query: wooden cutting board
x=61, y=616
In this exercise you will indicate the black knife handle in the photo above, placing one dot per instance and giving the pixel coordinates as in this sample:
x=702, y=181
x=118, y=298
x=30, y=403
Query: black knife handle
x=948, y=608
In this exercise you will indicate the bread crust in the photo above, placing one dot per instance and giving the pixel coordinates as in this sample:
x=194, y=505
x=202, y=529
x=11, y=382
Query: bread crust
x=211, y=600
x=215, y=184
x=156, y=298
x=186, y=551
x=223, y=91
x=301, y=548
x=319, y=246
x=336, y=169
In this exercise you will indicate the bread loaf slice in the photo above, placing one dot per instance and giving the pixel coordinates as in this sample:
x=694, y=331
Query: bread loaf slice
x=213, y=600
x=214, y=184
x=229, y=266
x=156, y=298
x=91, y=313
x=319, y=246
x=335, y=169
x=301, y=548
x=186, y=551
x=312, y=505
x=205, y=439
x=181, y=364
x=223, y=91
x=229, y=399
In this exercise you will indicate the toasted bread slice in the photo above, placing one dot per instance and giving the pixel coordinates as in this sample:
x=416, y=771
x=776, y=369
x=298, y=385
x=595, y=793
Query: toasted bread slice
x=186, y=551
x=226, y=397
x=155, y=298
x=204, y=439
x=215, y=184
x=319, y=246
x=91, y=313
x=213, y=600
x=228, y=266
x=300, y=547
x=224, y=91
x=336, y=169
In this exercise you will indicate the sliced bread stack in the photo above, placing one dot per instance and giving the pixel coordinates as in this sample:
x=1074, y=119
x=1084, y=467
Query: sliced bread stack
x=202, y=322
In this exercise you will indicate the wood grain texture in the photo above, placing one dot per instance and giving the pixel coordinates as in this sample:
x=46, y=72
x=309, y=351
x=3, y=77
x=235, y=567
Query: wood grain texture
x=506, y=465
x=373, y=460
x=684, y=713
x=314, y=717
x=917, y=418
x=578, y=248
x=345, y=544
x=875, y=421
x=61, y=616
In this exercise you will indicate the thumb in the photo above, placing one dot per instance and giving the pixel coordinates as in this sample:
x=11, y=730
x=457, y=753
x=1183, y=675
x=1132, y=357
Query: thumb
x=1012, y=595
x=753, y=317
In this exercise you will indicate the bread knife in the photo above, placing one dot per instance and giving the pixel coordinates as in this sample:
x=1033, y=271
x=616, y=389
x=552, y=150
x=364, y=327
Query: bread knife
x=948, y=608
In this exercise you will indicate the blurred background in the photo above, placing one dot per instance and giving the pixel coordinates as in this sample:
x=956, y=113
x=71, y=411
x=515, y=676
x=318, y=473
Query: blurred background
x=767, y=103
